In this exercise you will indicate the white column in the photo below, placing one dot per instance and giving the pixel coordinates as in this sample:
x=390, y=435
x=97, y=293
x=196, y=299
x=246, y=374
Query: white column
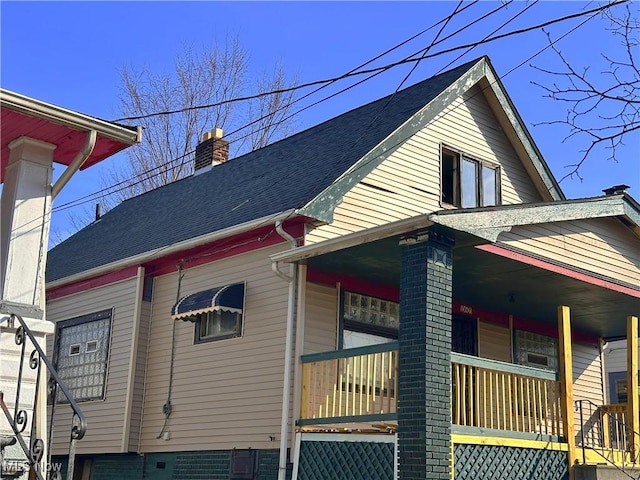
x=24, y=235
x=26, y=212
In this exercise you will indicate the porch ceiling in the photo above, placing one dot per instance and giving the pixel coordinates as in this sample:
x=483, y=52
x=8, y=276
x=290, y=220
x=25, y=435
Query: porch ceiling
x=496, y=283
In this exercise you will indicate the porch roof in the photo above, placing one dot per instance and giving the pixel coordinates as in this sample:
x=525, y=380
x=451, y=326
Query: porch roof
x=490, y=279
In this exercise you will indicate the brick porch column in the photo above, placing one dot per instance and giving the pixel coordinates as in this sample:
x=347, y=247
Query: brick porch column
x=424, y=390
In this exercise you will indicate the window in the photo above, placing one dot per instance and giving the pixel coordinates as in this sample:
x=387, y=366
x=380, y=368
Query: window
x=218, y=325
x=536, y=350
x=82, y=353
x=368, y=320
x=619, y=391
x=467, y=182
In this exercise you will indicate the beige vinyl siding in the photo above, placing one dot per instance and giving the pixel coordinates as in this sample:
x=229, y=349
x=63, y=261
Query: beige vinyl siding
x=615, y=360
x=408, y=182
x=227, y=393
x=615, y=356
x=494, y=341
x=320, y=326
x=105, y=418
x=603, y=246
x=587, y=376
x=139, y=377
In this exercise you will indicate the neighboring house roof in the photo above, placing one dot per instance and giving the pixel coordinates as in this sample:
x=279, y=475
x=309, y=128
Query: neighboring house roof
x=307, y=173
x=66, y=129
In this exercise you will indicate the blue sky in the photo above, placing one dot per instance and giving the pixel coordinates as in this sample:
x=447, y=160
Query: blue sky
x=71, y=53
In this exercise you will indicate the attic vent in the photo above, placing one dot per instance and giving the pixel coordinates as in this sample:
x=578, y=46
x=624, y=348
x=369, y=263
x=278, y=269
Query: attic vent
x=212, y=150
x=615, y=190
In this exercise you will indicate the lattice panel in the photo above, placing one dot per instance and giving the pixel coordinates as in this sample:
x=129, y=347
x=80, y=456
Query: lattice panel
x=346, y=461
x=473, y=462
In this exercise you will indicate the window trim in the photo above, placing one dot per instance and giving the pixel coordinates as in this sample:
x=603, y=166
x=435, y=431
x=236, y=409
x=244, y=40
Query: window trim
x=458, y=155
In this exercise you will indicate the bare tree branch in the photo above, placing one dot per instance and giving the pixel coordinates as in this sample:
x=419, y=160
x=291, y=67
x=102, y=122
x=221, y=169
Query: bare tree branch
x=603, y=107
x=209, y=76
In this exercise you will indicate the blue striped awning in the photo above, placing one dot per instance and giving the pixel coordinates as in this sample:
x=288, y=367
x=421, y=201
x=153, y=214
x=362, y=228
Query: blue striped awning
x=229, y=298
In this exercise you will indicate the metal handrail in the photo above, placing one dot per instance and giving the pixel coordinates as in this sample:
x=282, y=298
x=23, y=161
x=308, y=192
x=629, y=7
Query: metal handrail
x=19, y=418
x=595, y=437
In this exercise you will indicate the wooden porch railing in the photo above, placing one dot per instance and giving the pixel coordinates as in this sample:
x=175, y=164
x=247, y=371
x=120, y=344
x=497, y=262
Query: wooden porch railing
x=356, y=382
x=496, y=395
x=360, y=384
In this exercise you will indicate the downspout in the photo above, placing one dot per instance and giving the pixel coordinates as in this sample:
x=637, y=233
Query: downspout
x=78, y=161
x=286, y=388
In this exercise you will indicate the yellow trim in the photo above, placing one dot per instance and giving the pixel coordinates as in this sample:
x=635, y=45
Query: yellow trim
x=507, y=442
x=633, y=399
x=591, y=457
x=566, y=382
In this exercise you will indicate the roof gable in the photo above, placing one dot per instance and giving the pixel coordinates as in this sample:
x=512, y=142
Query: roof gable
x=322, y=206
x=306, y=173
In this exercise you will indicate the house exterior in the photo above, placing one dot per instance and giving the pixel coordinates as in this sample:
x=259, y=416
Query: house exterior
x=33, y=136
x=400, y=292
x=615, y=354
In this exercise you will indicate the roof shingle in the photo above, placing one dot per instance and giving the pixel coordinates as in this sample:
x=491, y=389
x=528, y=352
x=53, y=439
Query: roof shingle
x=282, y=176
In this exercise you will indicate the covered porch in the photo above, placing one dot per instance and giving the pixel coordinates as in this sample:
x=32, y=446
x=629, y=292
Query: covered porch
x=488, y=379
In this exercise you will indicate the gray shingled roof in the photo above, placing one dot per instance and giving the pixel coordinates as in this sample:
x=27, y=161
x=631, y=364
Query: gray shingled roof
x=282, y=176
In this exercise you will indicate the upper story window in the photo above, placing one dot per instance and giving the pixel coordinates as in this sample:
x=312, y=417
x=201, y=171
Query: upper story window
x=467, y=182
x=82, y=352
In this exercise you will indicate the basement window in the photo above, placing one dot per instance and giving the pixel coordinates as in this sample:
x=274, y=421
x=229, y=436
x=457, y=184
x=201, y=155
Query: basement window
x=468, y=182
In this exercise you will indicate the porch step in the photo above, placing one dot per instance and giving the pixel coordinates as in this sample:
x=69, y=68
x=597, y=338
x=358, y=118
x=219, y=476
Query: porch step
x=605, y=472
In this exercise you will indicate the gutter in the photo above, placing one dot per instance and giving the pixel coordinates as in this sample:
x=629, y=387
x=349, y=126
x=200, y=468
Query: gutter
x=288, y=353
x=62, y=116
x=167, y=250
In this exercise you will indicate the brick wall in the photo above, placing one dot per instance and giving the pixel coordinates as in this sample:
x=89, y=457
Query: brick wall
x=206, y=465
x=424, y=403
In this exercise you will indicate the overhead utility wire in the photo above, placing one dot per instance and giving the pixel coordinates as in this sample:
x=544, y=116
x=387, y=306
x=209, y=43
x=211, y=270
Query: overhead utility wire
x=489, y=34
x=594, y=11
x=145, y=175
x=433, y=42
x=498, y=78
x=353, y=70
x=363, y=72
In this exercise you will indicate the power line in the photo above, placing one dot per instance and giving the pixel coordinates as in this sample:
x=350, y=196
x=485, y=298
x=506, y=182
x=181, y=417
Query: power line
x=96, y=195
x=385, y=67
x=124, y=184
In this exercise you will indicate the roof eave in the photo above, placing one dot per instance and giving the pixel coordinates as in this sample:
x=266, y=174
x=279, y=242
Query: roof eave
x=489, y=222
x=154, y=254
x=61, y=116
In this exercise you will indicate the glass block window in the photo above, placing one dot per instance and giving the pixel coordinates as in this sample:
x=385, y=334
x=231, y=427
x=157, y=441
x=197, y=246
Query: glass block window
x=368, y=320
x=535, y=350
x=82, y=352
x=371, y=310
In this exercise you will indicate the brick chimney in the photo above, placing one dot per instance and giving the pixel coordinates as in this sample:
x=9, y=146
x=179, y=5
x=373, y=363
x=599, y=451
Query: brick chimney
x=212, y=150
